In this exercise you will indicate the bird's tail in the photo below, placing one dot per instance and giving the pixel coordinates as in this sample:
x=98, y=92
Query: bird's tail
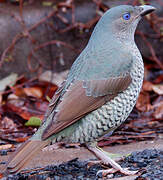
x=23, y=154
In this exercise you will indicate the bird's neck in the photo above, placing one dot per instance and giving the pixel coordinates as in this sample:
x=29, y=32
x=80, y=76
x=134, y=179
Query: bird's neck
x=125, y=38
x=111, y=40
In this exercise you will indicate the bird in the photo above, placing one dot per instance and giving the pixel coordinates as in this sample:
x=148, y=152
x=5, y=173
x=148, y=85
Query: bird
x=99, y=92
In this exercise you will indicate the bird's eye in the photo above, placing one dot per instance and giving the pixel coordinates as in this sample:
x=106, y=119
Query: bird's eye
x=126, y=16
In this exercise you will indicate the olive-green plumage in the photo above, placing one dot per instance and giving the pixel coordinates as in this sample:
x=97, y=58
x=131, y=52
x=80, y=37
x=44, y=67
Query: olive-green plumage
x=100, y=90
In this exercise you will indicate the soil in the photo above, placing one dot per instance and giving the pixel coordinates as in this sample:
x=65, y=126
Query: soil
x=148, y=162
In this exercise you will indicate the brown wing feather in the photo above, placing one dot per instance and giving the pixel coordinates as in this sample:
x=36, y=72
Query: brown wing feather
x=54, y=100
x=104, y=87
x=75, y=104
x=23, y=154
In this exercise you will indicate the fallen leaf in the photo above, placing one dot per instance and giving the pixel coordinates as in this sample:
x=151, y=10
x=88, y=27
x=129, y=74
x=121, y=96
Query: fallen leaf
x=158, y=89
x=12, y=97
x=33, y=121
x=7, y=123
x=34, y=92
x=6, y=146
x=26, y=111
x=55, y=78
x=147, y=86
x=19, y=92
x=159, y=79
x=158, y=113
x=21, y=139
x=143, y=102
x=8, y=81
x=42, y=106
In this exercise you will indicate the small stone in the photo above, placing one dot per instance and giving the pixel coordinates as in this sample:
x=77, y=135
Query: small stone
x=68, y=177
x=11, y=177
x=144, y=175
x=3, y=162
x=81, y=177
x=99, y=175
x=142, y=164
x=41, y=177
x=56, y=178
x=3, y=152
x=110, y=176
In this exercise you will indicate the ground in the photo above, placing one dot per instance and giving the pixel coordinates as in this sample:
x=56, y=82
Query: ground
x=61, y=156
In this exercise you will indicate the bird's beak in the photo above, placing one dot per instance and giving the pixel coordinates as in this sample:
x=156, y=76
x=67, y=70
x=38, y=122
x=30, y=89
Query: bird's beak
x=146, y=9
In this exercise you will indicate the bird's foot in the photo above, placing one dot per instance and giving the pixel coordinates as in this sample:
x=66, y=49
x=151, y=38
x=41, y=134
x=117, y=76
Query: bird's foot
x=116, y=157
x=105, y=158
x=109, y=172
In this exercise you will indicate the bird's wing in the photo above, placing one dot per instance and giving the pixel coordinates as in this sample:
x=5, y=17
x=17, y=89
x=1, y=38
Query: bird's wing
x=80, y=98
x=94, y=79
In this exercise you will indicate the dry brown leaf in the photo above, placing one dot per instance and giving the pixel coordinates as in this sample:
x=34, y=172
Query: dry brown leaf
x=19, y=92
x=147, y=86
x=159, y=79
x=158, y=89
x=24, y=111
x=21, y=139
x=6, y=146
x=143, y=102
x=7, y=123
x=34, y=92
x=158, y=114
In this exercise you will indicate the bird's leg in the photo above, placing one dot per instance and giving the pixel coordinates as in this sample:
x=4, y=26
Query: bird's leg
x=116, y=157
x=107, y=160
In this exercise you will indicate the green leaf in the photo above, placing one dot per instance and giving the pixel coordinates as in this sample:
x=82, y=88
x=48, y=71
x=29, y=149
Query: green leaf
x=33, y=121
x=48, y=99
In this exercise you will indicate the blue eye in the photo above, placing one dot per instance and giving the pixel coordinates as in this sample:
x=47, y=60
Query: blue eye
x=126, y=16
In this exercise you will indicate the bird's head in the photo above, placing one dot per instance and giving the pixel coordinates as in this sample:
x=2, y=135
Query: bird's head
x=121, y=21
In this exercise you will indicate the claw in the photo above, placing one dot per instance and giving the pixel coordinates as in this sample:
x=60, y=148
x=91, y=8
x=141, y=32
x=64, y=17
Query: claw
x=107, y=160
x=128, y=172
x=106, y=172
x=112, y=171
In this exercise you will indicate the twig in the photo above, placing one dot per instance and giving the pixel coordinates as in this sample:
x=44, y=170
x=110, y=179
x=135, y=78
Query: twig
x=9, y=48
x=56, y=42
x=151, y=49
